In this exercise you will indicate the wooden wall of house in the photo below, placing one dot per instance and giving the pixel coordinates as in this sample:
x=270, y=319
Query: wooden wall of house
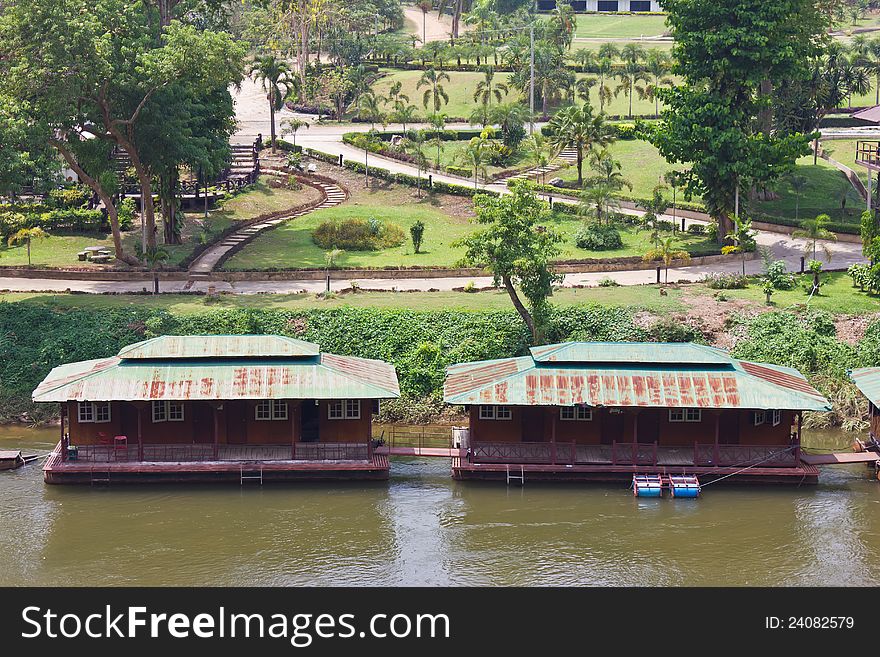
x=345, y=431
x=874, y=414
x=236, y=424
x=535, y=424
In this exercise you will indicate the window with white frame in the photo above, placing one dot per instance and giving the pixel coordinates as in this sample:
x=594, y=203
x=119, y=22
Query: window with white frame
x=575, y=413
x=685, y=415
x=759, y=417
x=344, y=409
x=777, y=418
x=271, y=409
x=97, y=412
x=492, y=412
x=168, y=411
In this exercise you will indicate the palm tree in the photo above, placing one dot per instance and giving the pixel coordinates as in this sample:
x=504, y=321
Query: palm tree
x=154, y=257
x=657, y=66
x=741, y=236
x=563, y=24
x=273, y=75
x=475, y=154
x=798, y=185
x=487, y=88
x=609, y=51
x=435, y=93
x=608, y=172
x=855, y=80
x=414, y=145
x=815, y=230
x=629, y=75
x=585, y=58
x=510, y=119
x=579, y=128
x=582, y=89
x=667, y=252
x=438, y=124
x=404, y=114
x=27, y=235
x=426, y=6
x=605, y=67
x=395, y=95
x=293, y=125
x=598, y=201
x=369, y=109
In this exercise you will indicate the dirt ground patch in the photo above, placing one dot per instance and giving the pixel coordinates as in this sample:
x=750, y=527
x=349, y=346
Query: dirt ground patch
x=710, y=314
x=851, y=328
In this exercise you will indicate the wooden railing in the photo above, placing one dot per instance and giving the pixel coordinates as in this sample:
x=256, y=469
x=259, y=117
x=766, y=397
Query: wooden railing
x=868, y=152
x=746, y=455
x=180, y=453
x=649, y=454
x=397, y=435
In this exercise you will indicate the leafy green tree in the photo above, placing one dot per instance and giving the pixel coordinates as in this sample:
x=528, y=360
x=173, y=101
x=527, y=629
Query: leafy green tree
x=476, y=154
x=726, y=52
x=577, y=127
x=517, y=247
x=417, y=233
x=414, y=145
x=666, y=251
x=488, y=88
x=293, y=126
x=742, y=237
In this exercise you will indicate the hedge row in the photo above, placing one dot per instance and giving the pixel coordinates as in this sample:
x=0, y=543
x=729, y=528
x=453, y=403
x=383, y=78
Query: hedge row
x=288, y=147
x=562, y=191
x=67, y=220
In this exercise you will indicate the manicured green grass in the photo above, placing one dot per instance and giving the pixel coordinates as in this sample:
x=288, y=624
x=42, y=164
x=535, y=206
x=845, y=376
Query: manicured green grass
x=291, y=245
x=641, y=164
x=826, y=190
x=619, y=25
x=451, y=153
x=844, y=151
x=837, y=295
x=61, y=250
x=460, y=88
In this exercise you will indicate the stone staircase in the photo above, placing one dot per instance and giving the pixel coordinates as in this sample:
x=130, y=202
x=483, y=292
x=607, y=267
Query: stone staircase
x=567, y=155
x=209, y=259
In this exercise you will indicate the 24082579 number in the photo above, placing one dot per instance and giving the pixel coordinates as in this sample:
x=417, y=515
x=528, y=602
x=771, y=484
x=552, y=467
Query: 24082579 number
x=809, y=623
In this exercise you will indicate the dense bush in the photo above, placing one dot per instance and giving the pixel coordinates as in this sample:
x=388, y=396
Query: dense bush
x=598, y=238
x=358, y=235
x=70, y=197
x=671, y=329
x=64, y=220
x=696, y=229
x=778, y=277
x=725, y=281
x=458, y=171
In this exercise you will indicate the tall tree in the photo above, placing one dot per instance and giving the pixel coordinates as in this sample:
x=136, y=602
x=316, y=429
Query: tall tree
x=273, y=76
x=724, y=51
x=519, y=249
x=435, y=95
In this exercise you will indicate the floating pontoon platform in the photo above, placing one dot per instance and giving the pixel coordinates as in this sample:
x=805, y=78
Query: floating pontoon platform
x=652, y=485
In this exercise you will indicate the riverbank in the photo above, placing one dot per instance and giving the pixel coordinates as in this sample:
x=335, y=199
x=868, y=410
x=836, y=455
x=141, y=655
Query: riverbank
x=421, y=333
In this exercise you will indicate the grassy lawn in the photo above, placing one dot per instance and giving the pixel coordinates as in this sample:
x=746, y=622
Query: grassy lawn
x=827, y=189
x=619, y=26
x=838, y=297
x=844, y=151
x=460, y=88
x=60, y=250
x=641, y=164
x=451, y=153
x=291, y=245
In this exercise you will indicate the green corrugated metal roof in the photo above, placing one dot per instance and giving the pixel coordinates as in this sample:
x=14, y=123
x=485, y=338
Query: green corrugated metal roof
x=220, y=346
x=867, y=380
x=295, y=376
x=678, y=353
x=722, y=382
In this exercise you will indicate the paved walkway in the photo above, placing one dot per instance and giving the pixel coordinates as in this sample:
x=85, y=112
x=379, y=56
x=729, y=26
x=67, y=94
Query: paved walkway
x=330, y=195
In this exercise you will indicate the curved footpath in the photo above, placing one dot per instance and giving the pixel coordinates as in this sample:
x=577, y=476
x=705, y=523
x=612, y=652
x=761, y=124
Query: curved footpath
x=253, y=118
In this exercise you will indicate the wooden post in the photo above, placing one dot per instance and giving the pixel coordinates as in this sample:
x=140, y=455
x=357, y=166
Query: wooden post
x=716, y=450
x=797, y=450
x=64, y=444
x=553, y=436
x=216, y=432
x=293, y=408
x=140, y=434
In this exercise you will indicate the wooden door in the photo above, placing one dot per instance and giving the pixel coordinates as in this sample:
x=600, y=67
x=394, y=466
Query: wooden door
x=728, y=428
x=128, y=424
x=236, y=422
x=310, y=421
x=203, y=422
x=532, y=424
x=648, y=430
x=612, y=427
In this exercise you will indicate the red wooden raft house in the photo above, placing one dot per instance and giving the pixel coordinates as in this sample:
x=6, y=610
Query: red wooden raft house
x=217, y=408
x=607, y=411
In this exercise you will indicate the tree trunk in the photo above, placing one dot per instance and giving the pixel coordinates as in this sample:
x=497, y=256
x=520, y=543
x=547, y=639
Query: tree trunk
x=112, y=213
x=168, y=199
x=725, y=226
x=520, y=308
x=580, y=163
x=304, y=42
x=272, y=118
x=165, y=11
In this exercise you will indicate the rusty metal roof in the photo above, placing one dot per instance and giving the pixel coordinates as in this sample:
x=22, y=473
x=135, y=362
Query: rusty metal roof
x=678, y=353
x=297, y=376
x=722, y=382
x=867, y=380
x=220, y=346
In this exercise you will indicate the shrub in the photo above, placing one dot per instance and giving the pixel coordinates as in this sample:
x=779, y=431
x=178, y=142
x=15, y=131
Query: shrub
x=459, y=171
x=417, y=232
x=608, y=282
x=671, y=329
x=470, y=287
x=626, y=131
x=696, y=229
x=598, y=238
x=725, y=281
x=712, y=230
x=126, y=210
x=358, y=235
x=664, y=226
x=778, y=277
x=70, y=197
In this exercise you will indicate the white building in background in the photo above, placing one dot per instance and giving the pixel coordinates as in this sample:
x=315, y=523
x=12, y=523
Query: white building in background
x=605, y=5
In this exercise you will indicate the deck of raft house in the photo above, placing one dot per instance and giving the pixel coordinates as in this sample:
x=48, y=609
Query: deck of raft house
x=254, y=409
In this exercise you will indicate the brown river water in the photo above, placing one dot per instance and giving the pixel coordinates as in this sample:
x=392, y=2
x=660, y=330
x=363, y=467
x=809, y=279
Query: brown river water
x=423, y=528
